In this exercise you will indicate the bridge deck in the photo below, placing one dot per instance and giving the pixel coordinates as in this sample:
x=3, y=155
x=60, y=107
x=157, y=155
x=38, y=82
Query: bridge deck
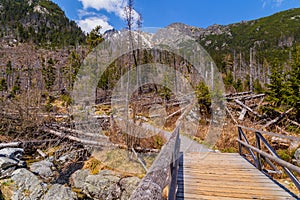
x=224, y=176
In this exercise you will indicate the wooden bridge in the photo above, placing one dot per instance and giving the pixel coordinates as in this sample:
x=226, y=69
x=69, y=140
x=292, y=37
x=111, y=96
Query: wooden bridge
x=196, y=175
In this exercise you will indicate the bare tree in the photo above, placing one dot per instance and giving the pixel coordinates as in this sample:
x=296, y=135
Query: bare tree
x=251, y=70
x=129, y=23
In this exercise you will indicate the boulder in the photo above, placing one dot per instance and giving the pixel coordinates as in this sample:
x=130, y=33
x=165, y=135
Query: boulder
x=78, y=178
x=6, y=163
x=294, y=145
x=42, y=168
x=128, y=185
x=59, y=192
x=104, y=185
x=26, y=185
x=7, y=172
x=297, y=156
x=14, y=153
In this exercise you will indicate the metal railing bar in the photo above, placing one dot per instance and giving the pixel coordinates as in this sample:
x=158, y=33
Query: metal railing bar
x=271, y=164
x=243, y=136
x=281, y=162
x=287, y=171
x=293, y=138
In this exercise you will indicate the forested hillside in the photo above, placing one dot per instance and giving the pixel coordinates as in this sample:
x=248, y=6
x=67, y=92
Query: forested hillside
x=41, y=22
x=260, y=55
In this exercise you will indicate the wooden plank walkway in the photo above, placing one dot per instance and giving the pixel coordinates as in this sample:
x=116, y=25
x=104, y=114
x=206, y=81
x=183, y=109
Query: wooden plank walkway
x=224, y=176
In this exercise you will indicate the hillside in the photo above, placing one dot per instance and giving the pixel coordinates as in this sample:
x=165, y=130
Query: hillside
x=270, y=36
x=41, y=22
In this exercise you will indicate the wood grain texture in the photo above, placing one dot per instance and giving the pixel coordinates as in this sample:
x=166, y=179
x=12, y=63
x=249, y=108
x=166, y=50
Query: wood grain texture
x=224, y=176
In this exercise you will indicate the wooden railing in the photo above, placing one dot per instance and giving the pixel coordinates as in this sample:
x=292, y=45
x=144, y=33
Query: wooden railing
x=163, y=172
x=258, y=155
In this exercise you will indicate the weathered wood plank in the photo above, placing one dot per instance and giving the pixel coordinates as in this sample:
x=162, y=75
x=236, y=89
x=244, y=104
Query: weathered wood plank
x=224, y=176
x=232, y=197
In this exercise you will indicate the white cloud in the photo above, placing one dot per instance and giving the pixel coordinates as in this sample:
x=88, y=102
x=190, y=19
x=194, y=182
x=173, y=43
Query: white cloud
x=278, y=2
x=90, y=23
x=116, y=7
x=89, y=20
x=85, y=13
x=273, y=3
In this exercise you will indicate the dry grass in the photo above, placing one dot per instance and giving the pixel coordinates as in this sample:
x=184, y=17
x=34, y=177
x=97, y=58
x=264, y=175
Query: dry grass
x=93, y=165
x=103, y=110
x=118, y=160
x=7, y=188
x=289, y=185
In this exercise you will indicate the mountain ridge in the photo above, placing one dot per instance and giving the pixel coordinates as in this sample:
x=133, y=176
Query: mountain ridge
x=272, y=37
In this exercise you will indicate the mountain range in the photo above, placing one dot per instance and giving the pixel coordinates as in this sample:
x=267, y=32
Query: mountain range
x=43, y=24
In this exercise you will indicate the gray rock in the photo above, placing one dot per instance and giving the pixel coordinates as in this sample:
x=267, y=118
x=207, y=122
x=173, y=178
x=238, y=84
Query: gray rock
x=22, y=163
x=7, y=172
x=63, y=159
x=42, y=168
x=294, y=145
x=27, y=185
x=16, y=153
x=297, y=156
x=128, y=185
x=104, y=185
x=59, y=192
x=78, y=178
x=6, y=163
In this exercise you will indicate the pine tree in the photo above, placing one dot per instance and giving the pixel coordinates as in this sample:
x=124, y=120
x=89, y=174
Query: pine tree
x=238, y=85
x=16, y=87
x=277, y=88
x=204, y=97
x=49, y=74
x=294, y=84
x=72, y=68
x=94, y=38
x=9, y=73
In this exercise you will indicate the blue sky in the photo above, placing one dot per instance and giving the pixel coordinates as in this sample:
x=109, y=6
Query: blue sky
x=160, y=13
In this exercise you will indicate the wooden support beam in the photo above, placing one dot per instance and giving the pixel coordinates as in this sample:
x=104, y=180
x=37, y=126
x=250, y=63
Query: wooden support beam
x=83, y=141
x=82, y=133
x=282, y=130
x=247, y=108
x=175, y=113
x=41, y=153
x=11, y=144
x=293, y=122
x=228, y=111
x=238, y=94
x=242, y=114
x=248, y=97
x=277, y=119
x=18, y=144
x=138, y=158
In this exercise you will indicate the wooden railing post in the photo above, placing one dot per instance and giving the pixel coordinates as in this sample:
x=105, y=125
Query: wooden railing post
x=159, y=176
x=174, y=168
